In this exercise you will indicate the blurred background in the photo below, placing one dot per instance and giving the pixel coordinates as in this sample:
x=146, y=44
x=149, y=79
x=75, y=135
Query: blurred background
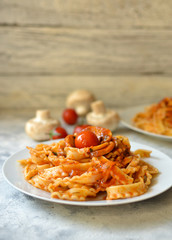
x=121, y=50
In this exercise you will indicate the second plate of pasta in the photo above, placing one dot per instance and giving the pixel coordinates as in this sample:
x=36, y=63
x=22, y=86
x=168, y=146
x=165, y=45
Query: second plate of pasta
x=127, y=120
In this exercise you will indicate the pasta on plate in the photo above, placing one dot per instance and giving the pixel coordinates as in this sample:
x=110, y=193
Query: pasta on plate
x=157, y=118
x=78, y=174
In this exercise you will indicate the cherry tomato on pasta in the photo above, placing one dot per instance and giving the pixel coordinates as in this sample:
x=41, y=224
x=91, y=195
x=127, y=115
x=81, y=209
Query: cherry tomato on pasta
x=58, y=133
x=79, y=128
x=86, y=139
x=70, y=116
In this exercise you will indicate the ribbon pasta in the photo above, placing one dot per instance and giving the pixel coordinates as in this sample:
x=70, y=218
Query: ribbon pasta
x=75, y=174
x=157, y=118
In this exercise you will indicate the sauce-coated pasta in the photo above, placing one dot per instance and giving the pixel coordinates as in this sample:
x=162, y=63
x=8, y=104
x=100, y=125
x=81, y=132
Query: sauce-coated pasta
x=70, y=173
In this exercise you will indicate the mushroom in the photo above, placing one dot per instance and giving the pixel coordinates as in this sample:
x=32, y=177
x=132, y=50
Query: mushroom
x=80, y=100
x=102, y=117
x=38, y=128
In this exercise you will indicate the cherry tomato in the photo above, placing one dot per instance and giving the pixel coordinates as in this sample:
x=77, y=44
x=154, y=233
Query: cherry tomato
x=58, y=133
x=86, y=139
x=70, y=116
x=79, y=128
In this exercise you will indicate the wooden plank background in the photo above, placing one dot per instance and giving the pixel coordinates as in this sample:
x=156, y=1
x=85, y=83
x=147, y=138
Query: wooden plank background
x=72, y=51
x=88, y=13
x=120, y=50
x=51, y=91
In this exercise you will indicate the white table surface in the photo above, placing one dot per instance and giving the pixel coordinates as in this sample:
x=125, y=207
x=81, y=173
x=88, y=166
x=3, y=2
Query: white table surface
x=24, y=217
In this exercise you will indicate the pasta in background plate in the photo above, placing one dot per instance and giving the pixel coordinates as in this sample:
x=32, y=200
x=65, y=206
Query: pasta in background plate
x=71, y=173
x=157, y=118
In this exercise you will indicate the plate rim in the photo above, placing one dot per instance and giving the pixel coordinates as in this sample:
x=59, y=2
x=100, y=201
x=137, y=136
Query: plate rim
x=85, y=203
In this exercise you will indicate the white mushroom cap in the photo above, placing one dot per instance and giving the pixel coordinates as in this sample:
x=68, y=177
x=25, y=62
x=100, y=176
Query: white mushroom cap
x=39, y=128
x=80, y=100
x=102, y=117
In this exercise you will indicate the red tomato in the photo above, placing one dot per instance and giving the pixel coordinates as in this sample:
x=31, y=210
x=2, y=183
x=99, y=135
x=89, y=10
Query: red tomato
x=79, y=128
x=86, y=139
x=70, y=116
x=58, y=133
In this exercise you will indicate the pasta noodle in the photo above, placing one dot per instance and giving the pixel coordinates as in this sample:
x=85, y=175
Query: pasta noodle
x=156, y=118
x=70, y=173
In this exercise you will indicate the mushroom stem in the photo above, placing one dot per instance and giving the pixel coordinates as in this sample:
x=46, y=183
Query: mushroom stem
x=98, y=107
x=81, y=110
x=42, y=114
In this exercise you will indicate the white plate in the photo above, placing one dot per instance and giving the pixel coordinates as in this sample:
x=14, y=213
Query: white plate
x=13, y=173
x=126, y=119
